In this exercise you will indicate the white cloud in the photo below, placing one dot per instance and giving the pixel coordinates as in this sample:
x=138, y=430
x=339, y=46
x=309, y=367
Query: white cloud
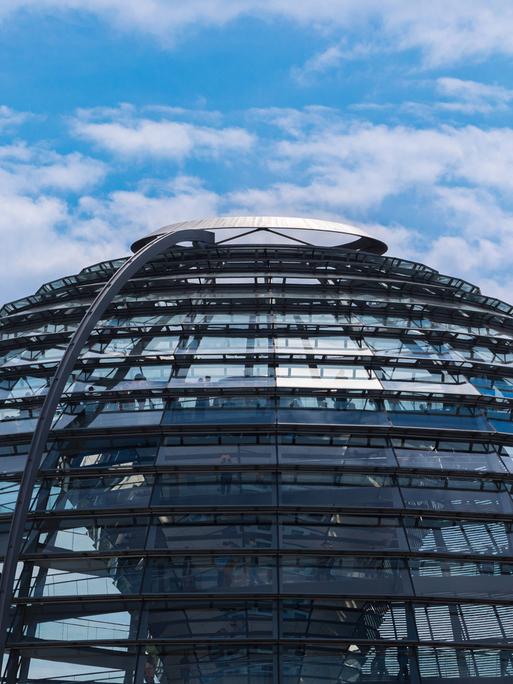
x=36, y=246
x=475, y=211
x=444, y=31
x=322, y=61
x=315, y=162
x=295, y=122
x=136, y=213
x=471, y=96
x=396, y=158
x=342, y=165
x=500, y=287
x=44, y=237
x=25, y=169
x=11, y=118
x=461, y=179
x=330, y=58
x=452, y=31
x=482, y=223
x=125, y=133
x=459, y=95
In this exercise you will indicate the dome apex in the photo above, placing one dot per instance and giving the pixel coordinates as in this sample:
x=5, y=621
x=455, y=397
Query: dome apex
x=276, y=230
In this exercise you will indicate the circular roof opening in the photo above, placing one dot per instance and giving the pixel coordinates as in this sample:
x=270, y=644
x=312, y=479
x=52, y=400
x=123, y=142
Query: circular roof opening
x=276, y=230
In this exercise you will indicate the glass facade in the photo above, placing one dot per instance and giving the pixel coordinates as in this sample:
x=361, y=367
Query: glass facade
x=279, y=459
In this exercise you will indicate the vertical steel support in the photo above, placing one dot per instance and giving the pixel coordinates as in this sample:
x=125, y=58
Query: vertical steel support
x=42, y=430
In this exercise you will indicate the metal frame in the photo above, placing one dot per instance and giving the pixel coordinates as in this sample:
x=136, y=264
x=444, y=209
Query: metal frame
x=57, y=384
x=167, y=276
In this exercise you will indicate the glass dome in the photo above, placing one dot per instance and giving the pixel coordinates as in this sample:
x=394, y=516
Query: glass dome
x=271, y=462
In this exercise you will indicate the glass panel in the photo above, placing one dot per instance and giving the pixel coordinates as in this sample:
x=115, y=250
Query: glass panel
x=319, y=345
x=435, y=414
x=494, y=387
x=450, y=460
x=121, y=377
x=327, y=376
x=236, y=454
x=216, y=663
x=8, y=496
x=347, y=663
x=324, y=371
x=220, y=574
x=315, y=318
x=54, y=535
x=65, y=455
x=165, y=620
x=464, y=622
x=341, y=533
x=488, y=500
x=506, y=453
x=210, y=489
x=442, y=664
x=78, y=664
x=418, y=375
x=193, y=531
x=483, y=537
x=340, y=619
x=23, y=356
x=81, y=577
x=221, y=410
x=439, y=421
x=224, y=345
x=66, y=623
x=131, y=346
x=450, y=577
x=127, y=411
x=16, y=419
x=24, y=386
x=220, y=620
x=336, y=455
x=339, y=489
x=344, y=575
x=123, y=491
x=338, y=409
x=199, y=531
x=213, y=375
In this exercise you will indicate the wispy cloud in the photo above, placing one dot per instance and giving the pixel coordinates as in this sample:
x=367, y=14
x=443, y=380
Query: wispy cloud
x=350, y=163
x=458, y=96
x=44, y=236
x=471, y=96
x=445, y=32
x=9, y=118
x=125, y=132
x=312, y=161
x=30, y=169
x=330, y=59
x=150, y=206
x=461, y=178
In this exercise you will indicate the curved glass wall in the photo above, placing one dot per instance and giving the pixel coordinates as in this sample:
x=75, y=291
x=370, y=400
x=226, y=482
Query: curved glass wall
x=271, y=464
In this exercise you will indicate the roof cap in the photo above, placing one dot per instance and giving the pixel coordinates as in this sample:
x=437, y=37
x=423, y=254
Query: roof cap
x=276, y=230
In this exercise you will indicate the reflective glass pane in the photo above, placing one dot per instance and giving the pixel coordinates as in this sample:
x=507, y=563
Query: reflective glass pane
x=220, y=574
x=343, y=574
x=224, y=488
x=339, y=489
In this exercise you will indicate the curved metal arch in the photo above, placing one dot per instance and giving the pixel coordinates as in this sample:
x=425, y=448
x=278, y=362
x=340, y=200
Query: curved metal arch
x=57, y=384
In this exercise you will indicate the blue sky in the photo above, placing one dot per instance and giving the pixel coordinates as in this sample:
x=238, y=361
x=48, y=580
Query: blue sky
x=118, y=116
